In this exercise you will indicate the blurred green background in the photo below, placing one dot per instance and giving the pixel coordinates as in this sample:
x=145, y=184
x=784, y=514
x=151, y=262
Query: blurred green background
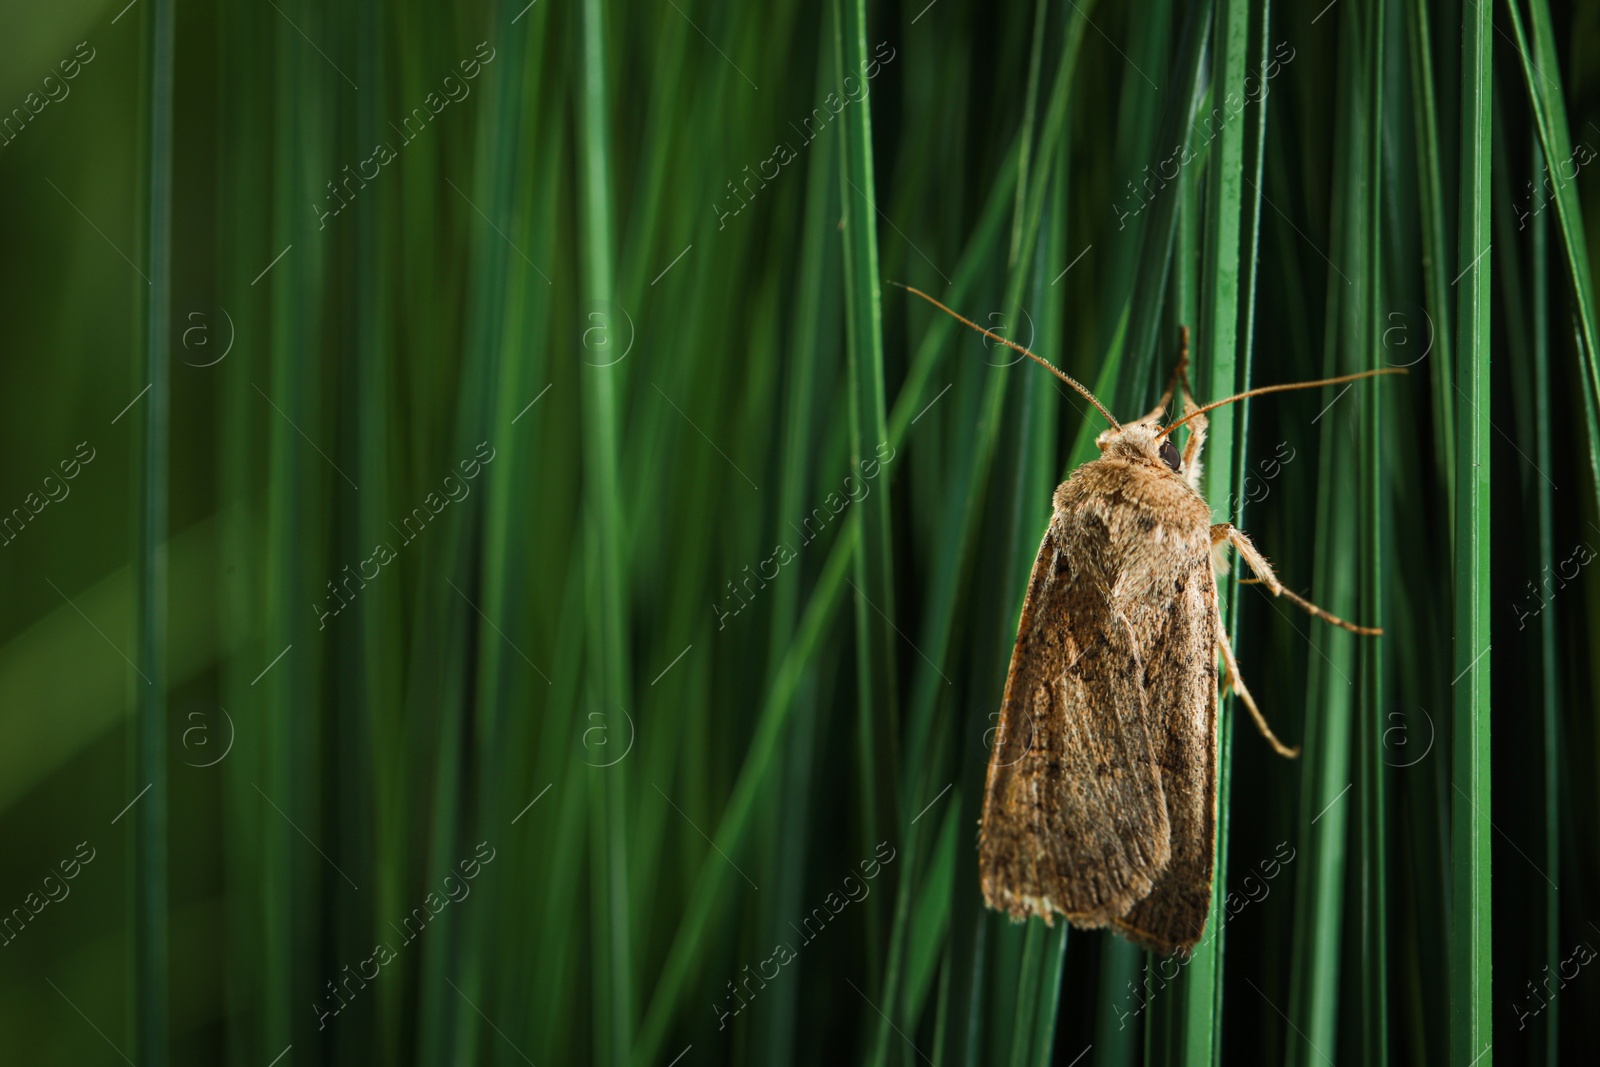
x=487, y=560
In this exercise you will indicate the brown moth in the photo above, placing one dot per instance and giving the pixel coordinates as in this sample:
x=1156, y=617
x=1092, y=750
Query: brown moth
x=1101, y=800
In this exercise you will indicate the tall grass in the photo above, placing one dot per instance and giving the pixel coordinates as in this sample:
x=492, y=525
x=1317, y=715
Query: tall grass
x=149, y=875
x=724, y=622
x=1471, y=1030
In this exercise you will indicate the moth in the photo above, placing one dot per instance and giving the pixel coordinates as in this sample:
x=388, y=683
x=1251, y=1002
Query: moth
x=1101, y=798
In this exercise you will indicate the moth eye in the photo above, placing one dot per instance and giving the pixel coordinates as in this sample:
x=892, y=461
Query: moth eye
x=1169, y=455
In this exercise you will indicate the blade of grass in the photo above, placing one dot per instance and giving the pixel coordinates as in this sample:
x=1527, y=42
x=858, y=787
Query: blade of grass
x=1333, y=703
x=1471, y=944
x=1026, y=1001
x=1528, y=334
x=1137, y=324
x=564, y=841
x=1031, y=102
x=244, y=234
x=1421, y=795
x=1435, y=240
x=929, y=923
x=149, y=821
x=818, y=294
x=876, y=640
x=1549, y=676
x=607, y=646
x=1550, y=113
x=730, y=828
x=499, y=280
x=370, y=642
x=1054, y=963
x=285, y=573
x=1216, y=371
x=1140, y=129
x=957, y=1026
x=770, y=724
x=1255, y=161
x=1372, y=803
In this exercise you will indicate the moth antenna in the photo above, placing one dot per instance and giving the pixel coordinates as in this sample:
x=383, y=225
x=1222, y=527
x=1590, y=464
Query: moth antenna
x=1278, y=389
x=1051, y=367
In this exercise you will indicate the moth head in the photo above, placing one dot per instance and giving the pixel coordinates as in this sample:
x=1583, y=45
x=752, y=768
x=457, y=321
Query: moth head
x=1143, y=442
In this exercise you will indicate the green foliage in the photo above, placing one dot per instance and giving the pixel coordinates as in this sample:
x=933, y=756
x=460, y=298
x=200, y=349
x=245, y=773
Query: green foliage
x=531, y=551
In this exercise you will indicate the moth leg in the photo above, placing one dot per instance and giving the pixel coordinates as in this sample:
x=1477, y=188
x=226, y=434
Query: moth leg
x=1231, y=678
x=1226, y=531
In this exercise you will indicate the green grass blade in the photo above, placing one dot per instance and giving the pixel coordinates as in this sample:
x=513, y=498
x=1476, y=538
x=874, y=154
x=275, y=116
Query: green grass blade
x=243, y=229
x=1026, y=999
x=149, y=818
x=607, y=647
x=818, y=296
x=876, y=640
x=1053, y=963
x=1435, y=240
x=1031, y=98
x=1134, y=337
x=771, y=721
x=1525, y=299
x=1216, y=375
x=504, y=283
x=1549, y=676
x=1250, y=265
x=1550, y=115
x=929, y=921
x=1372, y=802
x=1471, y=945
x=1334, y=703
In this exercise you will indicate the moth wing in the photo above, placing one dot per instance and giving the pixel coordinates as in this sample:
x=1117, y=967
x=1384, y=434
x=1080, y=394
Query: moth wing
x=1074, y=818
x=1179, y=637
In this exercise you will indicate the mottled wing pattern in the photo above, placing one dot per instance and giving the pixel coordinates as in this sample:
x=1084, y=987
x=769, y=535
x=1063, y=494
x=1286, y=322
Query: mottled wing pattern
x=1181, y=646
x=1074, y=820
x=1101, y=799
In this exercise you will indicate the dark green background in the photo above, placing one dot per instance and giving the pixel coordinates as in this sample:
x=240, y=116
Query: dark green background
x=562, y=234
